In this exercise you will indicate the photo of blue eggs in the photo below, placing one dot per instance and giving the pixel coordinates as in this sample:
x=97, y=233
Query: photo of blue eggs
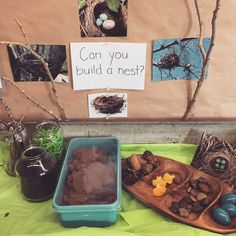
x=177, y=59
x=107, y=18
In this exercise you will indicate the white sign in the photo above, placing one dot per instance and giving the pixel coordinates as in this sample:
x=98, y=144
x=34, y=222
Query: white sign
x=108, y=65
x=111, y=109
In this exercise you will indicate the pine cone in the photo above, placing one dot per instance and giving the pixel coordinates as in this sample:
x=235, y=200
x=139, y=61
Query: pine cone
x=147, y=169
x=129, y=179
x=150, y=158
x=153, y=160
x=134, y=161
x=147, y=153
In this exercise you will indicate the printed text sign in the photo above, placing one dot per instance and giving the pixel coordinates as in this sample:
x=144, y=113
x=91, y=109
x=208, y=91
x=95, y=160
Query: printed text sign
x=108, y=65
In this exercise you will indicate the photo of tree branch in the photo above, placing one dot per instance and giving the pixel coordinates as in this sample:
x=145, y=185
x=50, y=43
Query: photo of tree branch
x=26, y=67
x=177, y=59
x=103, y=18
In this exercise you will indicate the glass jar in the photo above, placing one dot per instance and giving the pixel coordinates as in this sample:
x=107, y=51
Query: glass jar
x=12, y=143
x=49, y=136
x=38, y=172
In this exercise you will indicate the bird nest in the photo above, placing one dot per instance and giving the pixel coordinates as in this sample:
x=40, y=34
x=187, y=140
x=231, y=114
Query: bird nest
x=91, y=10
x=108, y=104
x=217, y=158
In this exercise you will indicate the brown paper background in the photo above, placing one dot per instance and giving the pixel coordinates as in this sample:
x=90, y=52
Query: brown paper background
x=57, y=22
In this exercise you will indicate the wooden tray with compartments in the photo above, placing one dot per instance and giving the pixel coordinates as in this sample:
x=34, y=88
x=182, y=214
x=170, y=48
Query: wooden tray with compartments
x=143, y=191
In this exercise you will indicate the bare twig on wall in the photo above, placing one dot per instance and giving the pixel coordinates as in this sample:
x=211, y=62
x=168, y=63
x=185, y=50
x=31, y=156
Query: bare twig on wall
x=45, y=65
x=31, y=99
x=23, y=116
x=206, y=57
x=5, y=125
x=13, y=124
x=200, y=22
x=7, y=109
x=23, y=32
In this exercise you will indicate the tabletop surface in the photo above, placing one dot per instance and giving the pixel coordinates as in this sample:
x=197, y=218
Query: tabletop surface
x=21, y=218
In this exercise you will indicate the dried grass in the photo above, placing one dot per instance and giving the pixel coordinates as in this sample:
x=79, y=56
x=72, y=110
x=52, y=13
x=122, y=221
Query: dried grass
x=210, y=148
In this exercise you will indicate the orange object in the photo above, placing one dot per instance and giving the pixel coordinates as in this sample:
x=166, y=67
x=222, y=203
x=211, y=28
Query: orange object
x=160, y=184
x=159, y=181
x=159, y=191
x=168, y=178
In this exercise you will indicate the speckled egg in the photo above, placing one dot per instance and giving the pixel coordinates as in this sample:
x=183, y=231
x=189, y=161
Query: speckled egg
x=221, y=216
x=230, y=209
x=108, y=24
x=228, y=198
x=98, y=22
x=103, y=16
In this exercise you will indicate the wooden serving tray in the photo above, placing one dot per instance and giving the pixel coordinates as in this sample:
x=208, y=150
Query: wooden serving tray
x=142, y=190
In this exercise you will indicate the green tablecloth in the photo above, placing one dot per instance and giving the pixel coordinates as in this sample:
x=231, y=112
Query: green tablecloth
x=19, y=217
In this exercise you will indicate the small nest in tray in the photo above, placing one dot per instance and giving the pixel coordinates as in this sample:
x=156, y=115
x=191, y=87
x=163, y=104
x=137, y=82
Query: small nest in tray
x=108, y=104
x=217, y=158
x=91, y=11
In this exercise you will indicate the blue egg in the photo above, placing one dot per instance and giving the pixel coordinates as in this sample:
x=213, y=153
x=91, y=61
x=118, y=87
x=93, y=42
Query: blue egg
x=217, y=165
x=228, y=198
x=222, y=167
x=98, y=22
x=230, y=209
x=221, y=216
x=223, y=161
x=103, y=16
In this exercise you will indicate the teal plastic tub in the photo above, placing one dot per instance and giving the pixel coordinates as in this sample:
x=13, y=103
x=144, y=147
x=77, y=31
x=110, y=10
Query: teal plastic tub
x=94, y=214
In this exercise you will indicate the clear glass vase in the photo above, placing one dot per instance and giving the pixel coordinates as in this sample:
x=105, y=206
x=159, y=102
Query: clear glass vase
x=12, y=143
x=49, y=136
x=37, y=172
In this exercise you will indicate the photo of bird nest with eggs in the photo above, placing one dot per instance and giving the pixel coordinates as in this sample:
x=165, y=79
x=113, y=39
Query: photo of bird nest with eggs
x=103, y=18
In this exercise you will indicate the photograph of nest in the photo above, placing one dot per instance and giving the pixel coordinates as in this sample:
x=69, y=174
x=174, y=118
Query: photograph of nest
x=103, y=18
x=177, y=59
x=217, y=158
x=26, y=67
x=107, y=105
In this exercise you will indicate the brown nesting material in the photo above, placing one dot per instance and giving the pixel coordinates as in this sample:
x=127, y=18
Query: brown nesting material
x=217, y=158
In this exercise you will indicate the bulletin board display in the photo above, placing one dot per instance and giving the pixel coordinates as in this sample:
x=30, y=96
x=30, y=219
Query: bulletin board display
x=139, y=82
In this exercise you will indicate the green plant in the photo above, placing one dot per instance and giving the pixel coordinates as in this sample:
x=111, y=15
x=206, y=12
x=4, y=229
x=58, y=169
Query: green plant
x=82, y=3
x=113, y=5
x=49, y=138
